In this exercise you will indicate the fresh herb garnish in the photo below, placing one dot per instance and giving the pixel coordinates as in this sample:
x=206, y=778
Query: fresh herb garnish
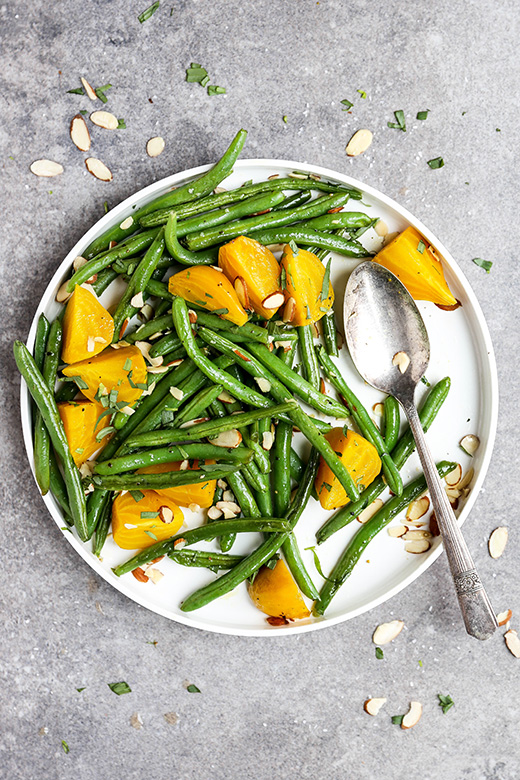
x=284, y=118
x=294, y=248
x=420, y=663
x=400, y=123
x=83, y=112
x=137, y=495
x=196, y=74
x=79, y=450
x=100, y=92
x=397, y=719
x=105, y=206
x=219, y=311
x=152, y=642
x=77, y=91
x=192, y=689
x=317, y=562
x=485, y=264
x=423, y=114
x=151, y=535
x=127, y=365
x=80, y=689
x=445, y=702
x=79, y=381
x=425, y=381
x=421, y=246
x=326, y=282
x=437, y=162
x=121, y=124
x=149, y=12
x=149, y=515
x=65, y=747
x=104, y=432
x=348, y=105
x=283, y=278
x=379, y=654
x=362, y=93
x=119, y=688
x=214, y=90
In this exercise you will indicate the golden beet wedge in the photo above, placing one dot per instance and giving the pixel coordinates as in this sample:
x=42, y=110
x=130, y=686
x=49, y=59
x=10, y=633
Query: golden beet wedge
x=304, y=275
x=122, y=370
x=142, y=523
x=79, y=421
x=209, y=288
x=275, y=592
x=200, y=493
x=361, y=460
x=87, y=327
x=412, y=260
x=254, y=272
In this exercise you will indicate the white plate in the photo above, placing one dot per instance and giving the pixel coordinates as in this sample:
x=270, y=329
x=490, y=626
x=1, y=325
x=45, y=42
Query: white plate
x=460, y=348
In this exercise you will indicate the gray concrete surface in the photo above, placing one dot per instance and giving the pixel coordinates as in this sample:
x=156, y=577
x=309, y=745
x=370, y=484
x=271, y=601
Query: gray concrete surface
x=284, y=708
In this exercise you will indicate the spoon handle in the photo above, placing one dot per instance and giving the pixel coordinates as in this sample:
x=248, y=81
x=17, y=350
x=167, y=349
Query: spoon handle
x=478, y=614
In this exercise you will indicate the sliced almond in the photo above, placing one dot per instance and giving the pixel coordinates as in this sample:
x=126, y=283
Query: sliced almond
x=513, y=642
x=415, y=536
x=63, y=294
x=241, y=290
x=195, y=421
x=155, y=575
x=90, y=92
x=370, y=511
x=79, y=262
x=226, y=398
x=289, y=310
x=214, y=513
x=285, y=345
x=470, y=443
x=127, y=410
x=228, y=495
x=381, y=228
x=229, y=439
x=397, y=530
x=137, y=300
x=378, y=409
x=452, y=493
x=145, y=313
x=127, y=223
x=184, y=465
x=386, y=632
x=158, y=369
x=79, y=133
x=504, y=617
x=46, y=168
x=155, y=146
x=144, y=347
x=218, y=190
x=179, y=544
x=434, y=525
x=139, y=575
x=267, y=440
x=418, y=547
x=359, y=143
x=192, y=316
x=98, y=169
x=263, y=384
x=466, y=479
x=372, y=706
x=91, y=344
x=228, y=508
x=401, y=360
x=273, y=301
x=413, y=716
x=497, y=541
x=453, y=478
x=418, y=508
x=177, y=393
x=165, y=514
x=104, y=119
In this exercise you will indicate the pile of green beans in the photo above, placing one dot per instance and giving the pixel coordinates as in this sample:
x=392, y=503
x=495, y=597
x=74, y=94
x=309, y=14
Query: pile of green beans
x=234, y=380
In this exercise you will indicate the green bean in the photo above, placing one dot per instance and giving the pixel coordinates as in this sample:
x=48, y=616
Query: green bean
x=272, y=525
x=281, y=468
x=198, y=404
x=41, y=451
x=103, y=280
x=296, y=466
x=392, y=421
x=263, y=497
x=172, y=454
x=138, y=283
x=363, y=420
x=150, y=328
x=330, y=333
x=101, y=530
x=297, y=567
x=45, y=402
x=244, y=227
x=252, y=476
x=305, y=236
x=168, y=343
x=243, y=208
x=367, y=532
x=167, y=479
x=203, y=559
x=161, y=307
x=298, y=199
x=187, y=192
x=400, y=454
x=57, y=485
x=252, y=440
x=40, y=341
x=41, y=435
x=179, y=252
x=308, y=355
x=213, y=321
x=341, y=219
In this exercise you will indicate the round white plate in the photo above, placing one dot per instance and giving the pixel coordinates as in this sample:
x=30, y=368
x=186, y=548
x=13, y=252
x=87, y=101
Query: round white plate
x=460, y=348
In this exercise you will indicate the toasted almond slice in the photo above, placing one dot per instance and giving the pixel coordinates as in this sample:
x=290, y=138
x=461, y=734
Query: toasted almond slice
x=91, y=344
x=415, y=536
x=229, y=439
x=179, y=544
x=402, y=361
x=177, y=393
x=89, y=90
x=139, y=575
x=381, y=228
x=214, y=513
x=466, y=479
x=273, y=301
x=158, y=369
x=372, y=706
x=513, y=642
x=226, y=398
x=104, y=119
x=504, y=617
x=165, y=514
x=63, y=295
x=418, y=508
x=79, y=133
x=359, y=143
x=137, y=300
x=192, y=316
x=267, y=440
x=433, y=525
x=289, y=310
x=417, y=547
x=413, y=716
x=453, y=478
x=184, y=465
x=263, y=384
x=100, y=340
x=228, y=508
x=378, y=409
x=452, y=493
x=46, y=168
x=98, y=169
x=228, y=495
x=79, y=262
x=127, y=223
x=155, y=146
x=386, y=632
x=193, y=507
x=127, y=410
x=241, y=290
x=145, y=313
x=370, y=511
x=497, y=541
x=470, y=443
x=144, y=347
x=397, y=531
x=195, y=421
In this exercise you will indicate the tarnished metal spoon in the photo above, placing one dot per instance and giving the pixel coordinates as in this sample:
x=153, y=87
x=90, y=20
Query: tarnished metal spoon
x=389, y=345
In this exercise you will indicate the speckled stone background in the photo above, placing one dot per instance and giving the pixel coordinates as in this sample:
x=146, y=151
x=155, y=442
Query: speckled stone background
x=285, y=708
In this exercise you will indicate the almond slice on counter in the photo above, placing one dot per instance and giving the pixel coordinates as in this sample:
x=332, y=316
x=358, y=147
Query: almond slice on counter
x=397, y=531
x=370, y=511
x=413, y=716
x=513, y=642
x=104, y=119
x=402, y=361
x=372, y=706
x=273, y=301
x=386, y=632
x=46, y=168
x=418, y=508
x=470, y=443
x=497, y=541
x=454, y=477
x=98, y=169
x=359, y=143
x=89, y=90
x=417, y=547
x=229, y=439
x=504, y=617
x=241, y=290
x=79, y=134
x=155, y=146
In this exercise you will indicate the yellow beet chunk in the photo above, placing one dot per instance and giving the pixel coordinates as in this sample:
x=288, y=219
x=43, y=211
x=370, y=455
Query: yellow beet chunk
x=113, y=369
x=254, y=272
x=131, y=530
x=200, y=493
x=211, y=289
x=275, y=592
x=79, y=421
x=361, y=460
x=304, y=277
x=420, y=271
x=87, y=327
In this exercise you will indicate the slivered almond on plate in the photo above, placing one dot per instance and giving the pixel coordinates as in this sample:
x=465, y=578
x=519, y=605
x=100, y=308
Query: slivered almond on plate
x=229, y=439
x=273, y=301
x=370, y=511
x=397, y=531
x=386, y=632
x=417, y=547
x=418, y=508
x=470, y=443
x=98, y=169
x=289, y=310
x=453, y=478
x=79, y=133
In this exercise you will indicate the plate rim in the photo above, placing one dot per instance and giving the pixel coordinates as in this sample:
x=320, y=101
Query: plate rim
x=112, y=218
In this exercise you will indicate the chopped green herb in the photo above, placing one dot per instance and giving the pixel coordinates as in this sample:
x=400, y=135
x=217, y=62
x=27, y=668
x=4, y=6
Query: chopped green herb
x=78, y=380
x=400, y=123
x=379, y=654
x=425, y=381
x=437, y=162
x=83, y=112
x=208, y=295
x=149, y=12
x=196, y=74
x=65, y=747
x=421, y=246
x=100, y=92
x=326, y=282
x=317, y=562
x=80, y=689
x=137, y=495
x=192, y=689
x=104, y=432
x=327, y=486
x=498, y=130
x=105, y=206
x=397, y=719
x=464, y=113
x=153, y=642
x=79, y=450
x=423, y=114
x=348, y=105
x=151, y=535
x=214, y=90
x=283, y=278
x=284, y=118
x=271, y=563
x=120, y=688
x=485, y=264
x=420, y=663
x=167, y=416
x=445, y=702
x=127, y=365
x=121, y=124
x=149, y=515
x=294, y=248
x=362, y=93
x=77, y=91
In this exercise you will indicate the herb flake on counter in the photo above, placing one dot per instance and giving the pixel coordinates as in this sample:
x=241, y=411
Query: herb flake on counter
x=437, y=162
x=422, y=115
x=362, y=93
x=192, y=689
x=100, y=92
x=348, y=105
x=397, y=719
x=80, y=689
x=214, y=90
x=445, y=702
x=65, y=747
x=119, y=688
x=379, y=654
x=121, y=124
x=196, y=74
x=400, y=122
x=284, y=118
x=149, y=12
x=485, y=264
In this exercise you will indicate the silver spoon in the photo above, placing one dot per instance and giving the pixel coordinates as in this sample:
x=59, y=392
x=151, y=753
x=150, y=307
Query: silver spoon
x=389, y=345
